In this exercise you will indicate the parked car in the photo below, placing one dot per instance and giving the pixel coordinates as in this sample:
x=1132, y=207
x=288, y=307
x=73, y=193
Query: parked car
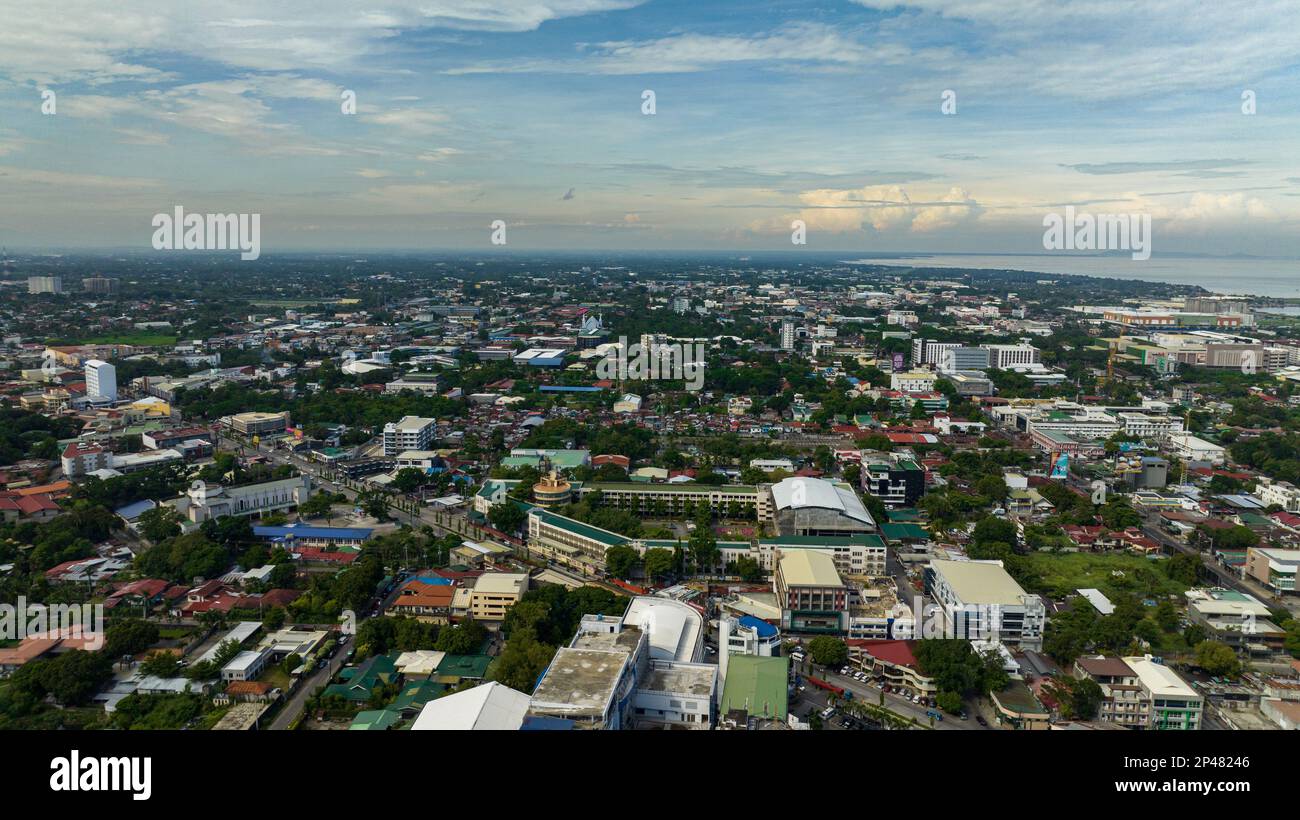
x=981, y=721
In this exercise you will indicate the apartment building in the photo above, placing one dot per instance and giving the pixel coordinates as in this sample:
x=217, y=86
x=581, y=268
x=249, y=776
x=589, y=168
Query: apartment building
x=494, y=593
x=101, y=380
x=409, y=433
x=1282, y=493
x=979, y=600
x=1124, y=701
x=1175, y=705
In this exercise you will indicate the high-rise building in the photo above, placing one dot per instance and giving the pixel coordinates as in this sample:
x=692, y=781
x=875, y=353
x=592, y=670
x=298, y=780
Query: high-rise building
x=411, y=433
x=45, y=284
x=101, y=285
x=1002, y=357
x=958, y=358
x=789, y=334
x=101, y=379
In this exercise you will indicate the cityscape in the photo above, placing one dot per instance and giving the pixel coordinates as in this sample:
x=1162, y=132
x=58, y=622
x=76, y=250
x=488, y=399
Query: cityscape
x=616, y=366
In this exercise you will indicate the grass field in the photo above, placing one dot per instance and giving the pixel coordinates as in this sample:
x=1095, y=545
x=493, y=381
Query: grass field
x=141, y=339
x=1059, y=574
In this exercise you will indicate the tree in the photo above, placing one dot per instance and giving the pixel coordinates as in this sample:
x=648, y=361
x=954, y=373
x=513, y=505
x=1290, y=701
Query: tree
x=160, y=523
x=949, y=702
x=747, y=568
x=507, y=517
x=164, y=664
x=658, y=562
x=1080, y=699
x=620, y=560
x=408, y=479
x=703, y=546
x=1217, y=659
x=992, y=487
x=522, y=662
x=129, y=637
x=828, y=651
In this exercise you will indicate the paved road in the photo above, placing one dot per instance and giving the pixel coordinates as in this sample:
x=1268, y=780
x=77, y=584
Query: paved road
x=294, y=706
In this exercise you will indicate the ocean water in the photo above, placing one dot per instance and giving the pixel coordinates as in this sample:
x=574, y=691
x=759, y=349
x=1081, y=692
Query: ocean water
x=1231, y=276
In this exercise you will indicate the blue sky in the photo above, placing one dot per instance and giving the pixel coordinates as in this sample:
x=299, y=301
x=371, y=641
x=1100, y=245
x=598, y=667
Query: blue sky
x=766, y=112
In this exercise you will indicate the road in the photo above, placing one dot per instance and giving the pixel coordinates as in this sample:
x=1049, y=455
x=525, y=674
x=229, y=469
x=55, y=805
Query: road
x=871, y=695
x=294, y=706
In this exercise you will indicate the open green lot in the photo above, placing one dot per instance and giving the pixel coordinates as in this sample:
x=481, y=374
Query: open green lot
x=1059, y=574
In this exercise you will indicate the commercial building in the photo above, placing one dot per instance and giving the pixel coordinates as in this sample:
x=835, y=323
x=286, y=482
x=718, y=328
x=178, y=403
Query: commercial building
x=1007, y=357
x=45, y=284
x=1196, y=450
x=899, y=482
x=615, y=675
x=410, y=433
x=494, y=593
x=1236, y=619
x=257, y=424
x=1175, y=705
x=814, y=506
x=957, y=359
x=101, y=380
x=913, y=381
x=811, y=594
x=1274, y=568
x=979, y=600
x=755, y=688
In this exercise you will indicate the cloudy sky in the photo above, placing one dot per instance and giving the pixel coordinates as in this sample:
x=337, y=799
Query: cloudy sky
x=531, y=112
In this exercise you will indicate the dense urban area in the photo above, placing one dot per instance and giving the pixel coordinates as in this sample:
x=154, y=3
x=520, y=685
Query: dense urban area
x=634, y=491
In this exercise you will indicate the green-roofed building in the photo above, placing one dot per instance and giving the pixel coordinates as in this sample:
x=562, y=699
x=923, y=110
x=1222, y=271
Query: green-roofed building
x=455, y=668
x=375, y=720
x=905, y=533
x=414, y=695
x=757, y=686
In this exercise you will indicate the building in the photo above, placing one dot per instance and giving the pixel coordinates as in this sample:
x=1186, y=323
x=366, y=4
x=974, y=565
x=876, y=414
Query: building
x=490, y=706
x=1124, y=701
x=300, y=535
x=814, y=506
x=541, y=357
x=1282, y=493
x=552, y=491
x=567, y=541
x=430, y=384
x=913, y=381
x=1195, y=450
x=494, y=593
x=247, y=665
x=755, y=688
x=101, y=380
x=204, y=501
x=1006, y=357
x=82, y=457
x=1274, y=568
x=426, y=599
x=979, y=600
x=618, y=675
x=893, y=663
x=957, y=359
x=257, y=424
x=789, y=334
x=746, y=635
x=897, y=483
x=1236, y=619
x=45, y=284
x=100, y=285
x=410, y=433
x=810, y=592
x=1175, y=705
x=929, y=352
x=724, y=500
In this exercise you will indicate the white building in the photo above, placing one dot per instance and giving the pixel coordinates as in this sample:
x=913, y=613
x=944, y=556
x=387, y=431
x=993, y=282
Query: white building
x=410, y=433
x=101, y=380
x=789, y=334
x=980, y=600
x=1174, y=704
x=1282, y=493
x=913, y=381
x=1002, y=357
x=1190, y=448
x=204, y=501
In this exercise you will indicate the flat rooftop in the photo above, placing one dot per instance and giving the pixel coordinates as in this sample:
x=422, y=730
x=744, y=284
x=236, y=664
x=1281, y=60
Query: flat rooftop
x=976, y=582
x=686, y=679
x=579, y=682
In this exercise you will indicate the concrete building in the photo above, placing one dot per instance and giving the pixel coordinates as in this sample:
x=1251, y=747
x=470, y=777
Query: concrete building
x=1196, y=450
x=814, y=506
x=913, y=381
x=811, y=594
x=1124, y=702
x=204, y=501
x=1004, y=357
x=410, y=433
x=789, y=334
x=44, y=284
x=1175, y=705
x=257, y=424
x=1236, y=619
x=957, y=358
x=1274, y=568
x=1282, y=493
x=494, y=593
x=101, y=380
x=980, y=600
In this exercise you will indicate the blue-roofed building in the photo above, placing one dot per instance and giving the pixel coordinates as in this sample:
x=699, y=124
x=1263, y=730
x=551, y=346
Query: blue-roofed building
x=304, y=536
x=132, y=512
x=747, y=635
